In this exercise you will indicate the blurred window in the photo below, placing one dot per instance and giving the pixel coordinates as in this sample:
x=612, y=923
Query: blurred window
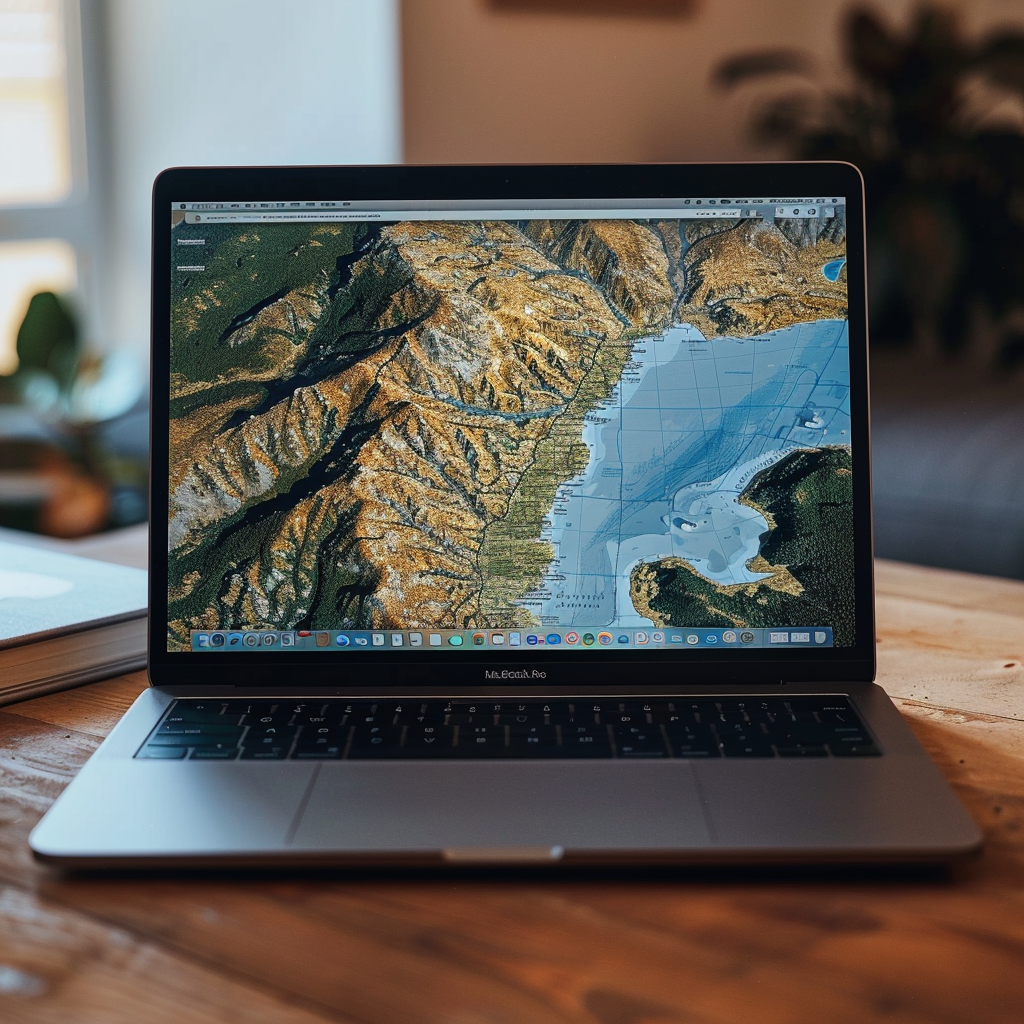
x=35, y=142
x=40, y=169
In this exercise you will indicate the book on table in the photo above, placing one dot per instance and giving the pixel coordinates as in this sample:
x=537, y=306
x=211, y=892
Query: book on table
x=66, y=620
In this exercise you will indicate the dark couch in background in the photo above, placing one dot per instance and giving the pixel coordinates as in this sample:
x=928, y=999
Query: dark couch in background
x=948, y=464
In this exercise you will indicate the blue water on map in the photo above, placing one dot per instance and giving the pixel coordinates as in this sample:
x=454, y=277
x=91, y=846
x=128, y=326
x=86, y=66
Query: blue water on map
x=688, y=425
x=833, y=268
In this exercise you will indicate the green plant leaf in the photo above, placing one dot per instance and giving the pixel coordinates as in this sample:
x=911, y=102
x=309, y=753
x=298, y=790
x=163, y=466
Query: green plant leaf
x=48, y=338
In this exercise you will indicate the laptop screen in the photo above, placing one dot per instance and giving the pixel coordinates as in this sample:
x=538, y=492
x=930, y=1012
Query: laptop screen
x=564, y=426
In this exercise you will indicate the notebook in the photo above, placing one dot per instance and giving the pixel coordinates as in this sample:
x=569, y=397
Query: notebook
x=514, y=515
x=66, y=620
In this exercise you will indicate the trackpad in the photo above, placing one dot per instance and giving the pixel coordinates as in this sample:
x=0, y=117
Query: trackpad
x=578, y=805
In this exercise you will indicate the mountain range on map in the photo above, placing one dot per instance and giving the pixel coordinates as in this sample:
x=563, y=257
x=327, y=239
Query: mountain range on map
x=370, y=422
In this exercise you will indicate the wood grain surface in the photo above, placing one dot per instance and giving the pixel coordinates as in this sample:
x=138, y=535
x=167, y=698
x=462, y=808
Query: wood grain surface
x=683, y=948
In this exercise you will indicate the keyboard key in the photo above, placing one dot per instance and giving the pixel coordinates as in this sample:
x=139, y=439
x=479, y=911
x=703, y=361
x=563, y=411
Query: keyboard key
x=643, y=746
x=269, y=737
x=855, y=750
x=540, y=732
x=213, y=740
x=201, y=718
x=532, y=743
x=587, y=745
x=163, y=753
x=481, y=744
x=264, y=753
x=199, y=729
x=744, y=747
x=429, y=735
x=584, y=719
x=214, y=754
x=267, y=720
x=333, y=738
x=693, y=744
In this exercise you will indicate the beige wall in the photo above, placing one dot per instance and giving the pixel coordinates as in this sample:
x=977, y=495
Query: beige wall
x=485, y=85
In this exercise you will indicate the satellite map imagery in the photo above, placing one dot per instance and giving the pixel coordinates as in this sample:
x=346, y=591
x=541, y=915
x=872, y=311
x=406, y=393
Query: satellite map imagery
x=502, y=424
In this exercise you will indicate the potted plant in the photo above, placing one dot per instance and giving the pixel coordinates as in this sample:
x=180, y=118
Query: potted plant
x=933, y=119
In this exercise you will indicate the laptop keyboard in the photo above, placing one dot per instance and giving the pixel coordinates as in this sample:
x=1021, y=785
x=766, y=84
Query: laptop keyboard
x=227, y=730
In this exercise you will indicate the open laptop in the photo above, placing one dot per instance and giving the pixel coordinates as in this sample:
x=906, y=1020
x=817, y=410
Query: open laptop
x=509, y=515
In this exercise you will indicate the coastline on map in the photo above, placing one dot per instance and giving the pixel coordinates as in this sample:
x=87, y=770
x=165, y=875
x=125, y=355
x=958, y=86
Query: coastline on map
x=687, y=428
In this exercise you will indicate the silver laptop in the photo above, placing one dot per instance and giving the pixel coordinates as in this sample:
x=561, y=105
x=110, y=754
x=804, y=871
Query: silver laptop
x=509, y=515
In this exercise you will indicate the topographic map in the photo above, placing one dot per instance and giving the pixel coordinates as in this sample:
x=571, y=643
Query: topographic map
x=465, y=424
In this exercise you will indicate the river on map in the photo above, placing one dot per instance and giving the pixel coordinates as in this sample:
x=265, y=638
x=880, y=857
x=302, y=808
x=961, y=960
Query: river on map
x=681, y=435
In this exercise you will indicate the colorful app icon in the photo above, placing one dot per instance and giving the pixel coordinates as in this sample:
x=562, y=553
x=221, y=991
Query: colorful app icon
x=746, y=637
x=820, y=637
x=435, y=639
x=456, y=640
x=553, y=639
x=216, y=639
x=323, y=639
x=800, y=638
x=415, y=639
x=711, y=638
x=377, y=639
x=361, y=641
x=604, y=639
x=397, y=639
x=269, y=639
x=532, y=639
x=623, y=638
x=305, y=632
x=498, y=639
x=778, y=638
x=675, y=638
x=287, y=639
x=729, y=636
x=692, y=639
x=641, y=637
x=479, y=639
x=203, y=640
x=588, y=639
x=234, y=640
x=515, y=639
x=572, y=638
x=251, y=639
x=342, y=640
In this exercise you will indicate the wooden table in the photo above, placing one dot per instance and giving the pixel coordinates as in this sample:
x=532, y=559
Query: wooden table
x=664, y=949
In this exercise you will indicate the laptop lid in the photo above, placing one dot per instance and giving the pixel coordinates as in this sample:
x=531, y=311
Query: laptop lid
x=478, y=430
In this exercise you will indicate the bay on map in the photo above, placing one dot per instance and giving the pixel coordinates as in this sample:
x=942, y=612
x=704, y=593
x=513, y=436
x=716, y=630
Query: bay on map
x=681, y=435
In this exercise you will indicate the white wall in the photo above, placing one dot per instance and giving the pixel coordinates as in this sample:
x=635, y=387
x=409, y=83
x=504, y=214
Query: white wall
x=503, y=84
x=235, y=82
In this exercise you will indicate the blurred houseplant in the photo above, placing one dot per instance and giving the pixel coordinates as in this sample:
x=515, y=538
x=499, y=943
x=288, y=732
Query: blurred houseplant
x=935, y=122
x=62, y=477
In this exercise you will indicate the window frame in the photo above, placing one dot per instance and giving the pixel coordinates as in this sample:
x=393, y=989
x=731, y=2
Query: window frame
x=77, y=217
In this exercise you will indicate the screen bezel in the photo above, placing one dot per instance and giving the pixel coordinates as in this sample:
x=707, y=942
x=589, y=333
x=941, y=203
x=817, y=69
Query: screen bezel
x=577, y=671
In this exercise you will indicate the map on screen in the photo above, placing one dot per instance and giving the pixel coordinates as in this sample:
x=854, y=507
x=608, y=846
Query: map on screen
x=508, y=424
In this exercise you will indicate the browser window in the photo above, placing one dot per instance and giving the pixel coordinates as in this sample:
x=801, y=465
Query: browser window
x=544, y=426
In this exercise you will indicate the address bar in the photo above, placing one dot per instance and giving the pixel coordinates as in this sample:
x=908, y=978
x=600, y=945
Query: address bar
x=328, y=216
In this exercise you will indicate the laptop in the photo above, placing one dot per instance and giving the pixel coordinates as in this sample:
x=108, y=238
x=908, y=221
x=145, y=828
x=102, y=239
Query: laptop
x=509, y=516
